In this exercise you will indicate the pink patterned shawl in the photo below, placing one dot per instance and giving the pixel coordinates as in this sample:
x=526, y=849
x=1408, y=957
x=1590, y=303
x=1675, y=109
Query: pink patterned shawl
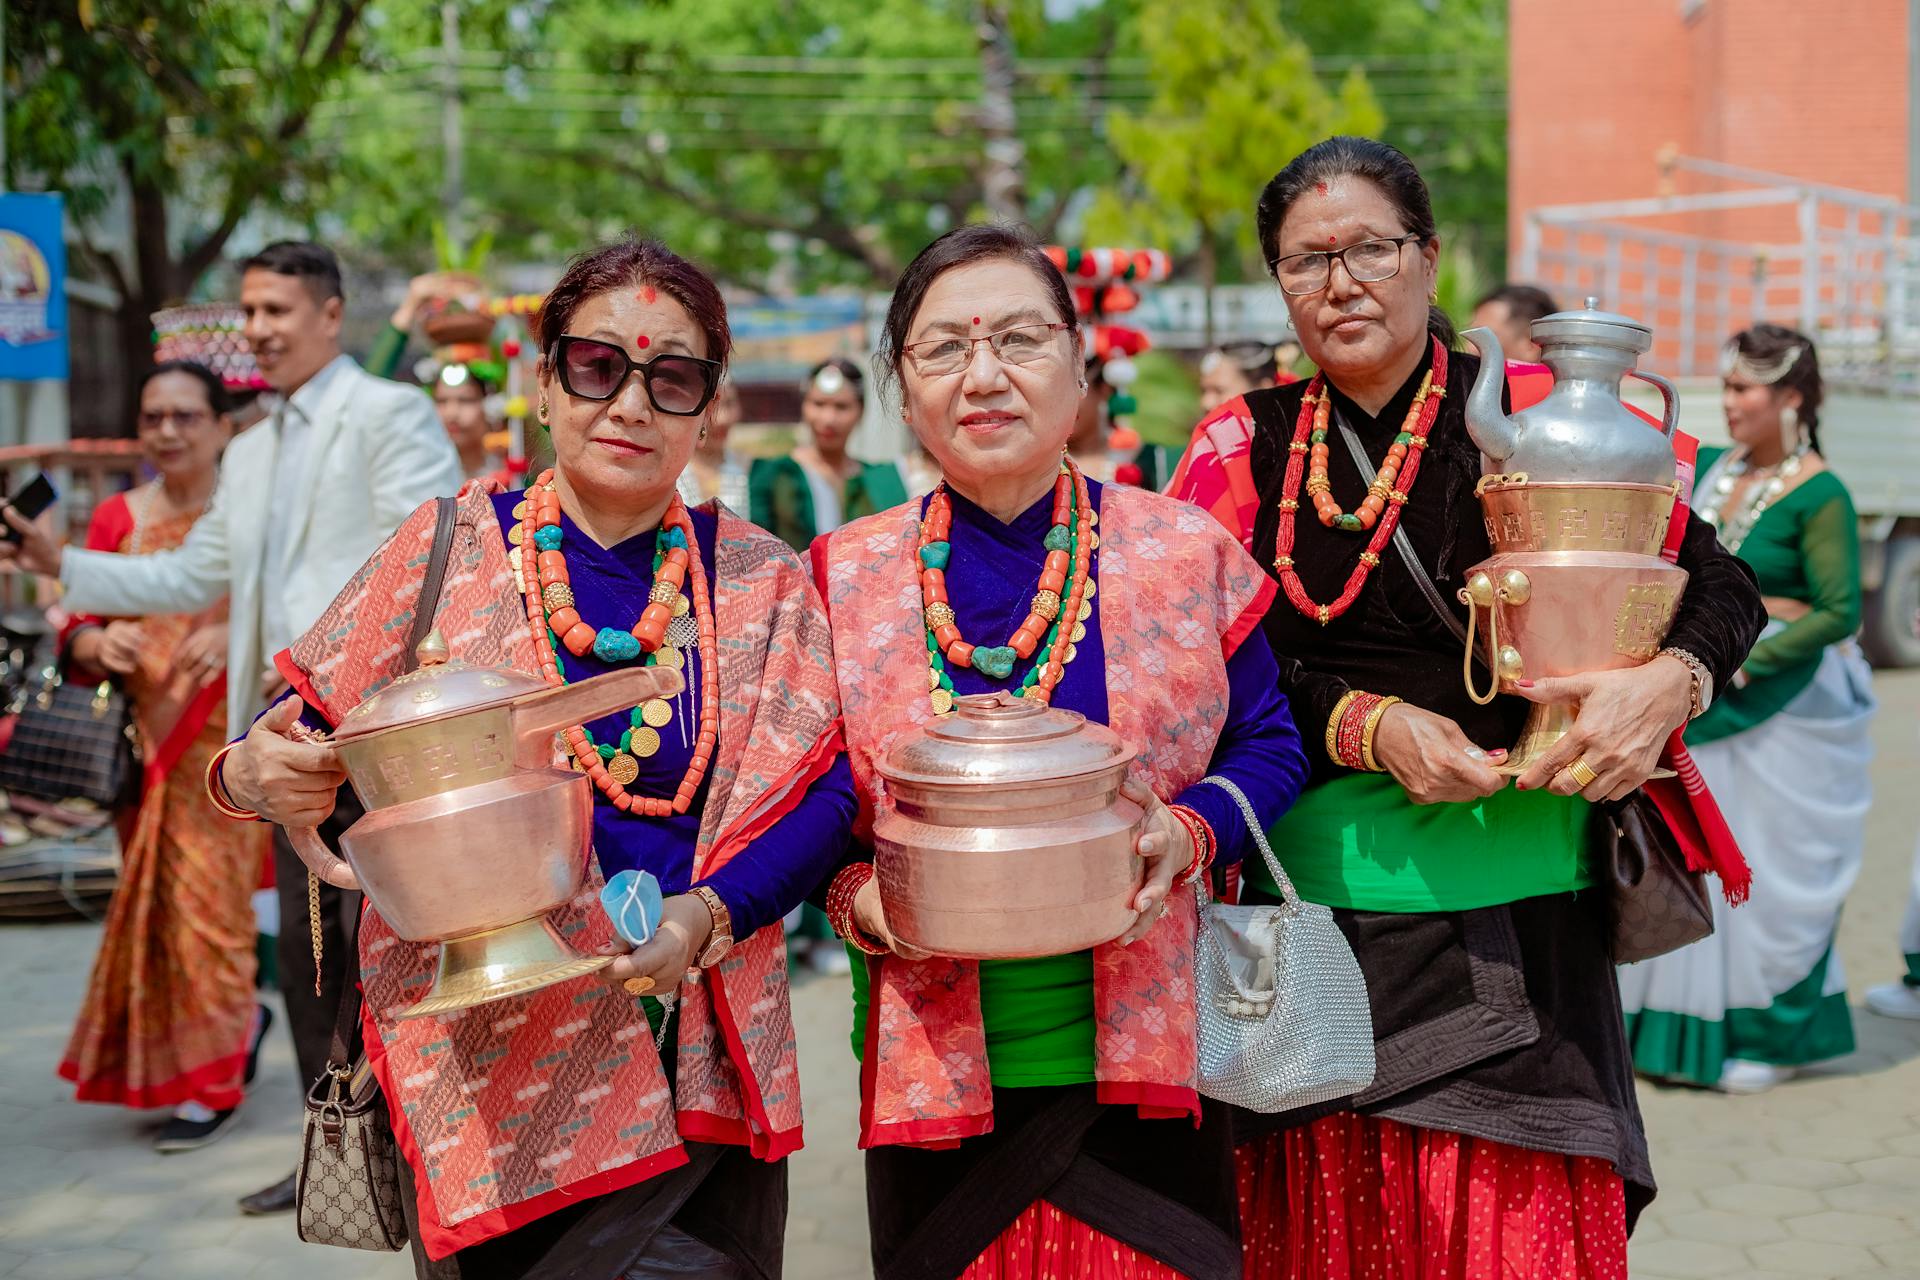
x=1178, y=598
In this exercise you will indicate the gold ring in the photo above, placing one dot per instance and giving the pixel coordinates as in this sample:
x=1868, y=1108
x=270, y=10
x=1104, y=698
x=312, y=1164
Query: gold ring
x=1583, y=773
x=638, y=986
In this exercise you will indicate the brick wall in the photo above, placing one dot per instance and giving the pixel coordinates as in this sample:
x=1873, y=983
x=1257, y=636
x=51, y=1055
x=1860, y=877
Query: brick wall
x=1812, y=88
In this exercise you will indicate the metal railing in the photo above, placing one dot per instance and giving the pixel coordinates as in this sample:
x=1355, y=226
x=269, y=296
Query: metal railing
x=1841, y=266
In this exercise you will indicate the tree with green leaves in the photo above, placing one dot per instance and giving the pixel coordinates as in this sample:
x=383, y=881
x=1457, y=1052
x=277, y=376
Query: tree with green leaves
x=812, y=143
x=181, y=117
x=1439, y=72
x=1234, y=96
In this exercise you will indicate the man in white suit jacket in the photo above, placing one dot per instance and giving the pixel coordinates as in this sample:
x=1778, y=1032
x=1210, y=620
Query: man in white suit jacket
x=303, y=500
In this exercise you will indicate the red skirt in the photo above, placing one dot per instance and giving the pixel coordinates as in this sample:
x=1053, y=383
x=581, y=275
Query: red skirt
x=1045, y=1244
x=1352, y=1197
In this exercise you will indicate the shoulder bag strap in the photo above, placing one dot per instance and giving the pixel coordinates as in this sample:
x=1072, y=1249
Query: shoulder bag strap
x=1401, y=543
x=436, y=577
x=346, y=1028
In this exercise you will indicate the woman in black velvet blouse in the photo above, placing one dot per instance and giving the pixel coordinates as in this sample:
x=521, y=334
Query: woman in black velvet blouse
x=1501, y=1135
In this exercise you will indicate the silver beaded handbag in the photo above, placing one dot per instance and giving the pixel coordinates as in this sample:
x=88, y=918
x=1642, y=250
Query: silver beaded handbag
x=1283, y=1013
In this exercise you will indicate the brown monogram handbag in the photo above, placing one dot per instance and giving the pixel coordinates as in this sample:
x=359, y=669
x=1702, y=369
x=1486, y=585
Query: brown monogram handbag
x=349, y=1187
x=348, y=1192
x=1658, y=905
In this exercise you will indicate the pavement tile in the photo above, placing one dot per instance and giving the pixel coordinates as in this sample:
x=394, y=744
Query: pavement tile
x=201, y=1264
x=1902, y=1171
x=1765, y=1200
x=1687, y=1258
x=1813, y=1258
x=1724, y=1227
x=1837, y=1227
x=1883, y=1198
x=91, y=1263
x=1794, y=1171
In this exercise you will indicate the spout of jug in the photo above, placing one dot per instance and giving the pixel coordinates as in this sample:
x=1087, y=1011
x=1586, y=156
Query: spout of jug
x=1491, y=429
x=538, y=716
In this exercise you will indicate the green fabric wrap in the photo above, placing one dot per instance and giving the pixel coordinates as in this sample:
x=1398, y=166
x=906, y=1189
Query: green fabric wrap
x=1358, y=842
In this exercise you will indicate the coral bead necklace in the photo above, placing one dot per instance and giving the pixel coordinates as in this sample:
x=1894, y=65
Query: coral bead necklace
x=1055, y=620
x=1380, y=511
x=555, y=622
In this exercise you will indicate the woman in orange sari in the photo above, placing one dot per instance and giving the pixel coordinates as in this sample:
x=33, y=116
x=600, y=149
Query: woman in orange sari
x=169, y=1015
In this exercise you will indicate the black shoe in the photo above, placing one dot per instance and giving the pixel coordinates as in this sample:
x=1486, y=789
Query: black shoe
x=180, y=1134
x=277, y=1198
x=261, y=1026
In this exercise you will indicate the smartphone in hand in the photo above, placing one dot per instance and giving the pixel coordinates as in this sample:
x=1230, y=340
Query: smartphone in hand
x=33, y=499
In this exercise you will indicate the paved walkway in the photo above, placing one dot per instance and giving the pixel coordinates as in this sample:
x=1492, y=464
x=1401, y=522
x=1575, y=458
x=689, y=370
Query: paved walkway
x=1816, y=1181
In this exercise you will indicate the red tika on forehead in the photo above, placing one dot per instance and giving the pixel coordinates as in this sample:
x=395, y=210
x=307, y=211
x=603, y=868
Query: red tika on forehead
x=976, y=319
x=648, y=294
x=643, y=342
x=1321, y=187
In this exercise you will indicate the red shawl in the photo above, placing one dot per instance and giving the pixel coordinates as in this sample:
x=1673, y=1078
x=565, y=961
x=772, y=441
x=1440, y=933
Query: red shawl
x=522, y=1106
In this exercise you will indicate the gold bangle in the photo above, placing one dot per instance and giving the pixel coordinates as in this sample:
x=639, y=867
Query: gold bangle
x=1366, y=734
x=1333, y=724
x=217, y=789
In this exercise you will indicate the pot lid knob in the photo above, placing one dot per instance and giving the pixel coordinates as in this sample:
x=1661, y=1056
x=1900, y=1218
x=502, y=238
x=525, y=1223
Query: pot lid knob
x=433, y=651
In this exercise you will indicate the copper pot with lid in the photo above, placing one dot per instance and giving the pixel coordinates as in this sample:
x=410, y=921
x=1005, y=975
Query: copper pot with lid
x=471, y=834
x=1008, y=835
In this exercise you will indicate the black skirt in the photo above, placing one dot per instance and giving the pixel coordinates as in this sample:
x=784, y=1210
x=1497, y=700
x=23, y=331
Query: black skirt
x=1162, y=1187
x=720, y=1216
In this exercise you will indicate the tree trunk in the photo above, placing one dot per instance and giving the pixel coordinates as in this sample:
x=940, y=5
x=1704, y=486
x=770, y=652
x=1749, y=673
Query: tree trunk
x=1003, y=180
x=1209, y=276
x=154, y=282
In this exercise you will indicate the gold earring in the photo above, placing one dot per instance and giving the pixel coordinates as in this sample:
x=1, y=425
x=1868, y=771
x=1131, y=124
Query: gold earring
x=543, y=413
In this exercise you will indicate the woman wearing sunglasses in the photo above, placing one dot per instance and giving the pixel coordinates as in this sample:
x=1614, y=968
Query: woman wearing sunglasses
x=1501, y=1135
x=595, y=1156
x=1038, y=1117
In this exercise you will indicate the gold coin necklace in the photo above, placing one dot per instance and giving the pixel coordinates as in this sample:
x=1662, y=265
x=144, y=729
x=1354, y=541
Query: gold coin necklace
x=641, y=738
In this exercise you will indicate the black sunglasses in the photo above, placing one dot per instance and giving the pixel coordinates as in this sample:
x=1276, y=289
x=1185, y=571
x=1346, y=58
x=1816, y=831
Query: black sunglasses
x=596, y=370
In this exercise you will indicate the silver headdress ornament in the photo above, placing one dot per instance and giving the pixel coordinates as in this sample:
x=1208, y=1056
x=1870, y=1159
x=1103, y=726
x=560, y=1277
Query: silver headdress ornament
x=1735, y=363
x=829, y=380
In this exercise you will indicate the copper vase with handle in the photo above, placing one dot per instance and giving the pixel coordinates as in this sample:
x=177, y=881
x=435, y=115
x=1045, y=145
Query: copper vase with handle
x=1577, y=492
x=472, y=835
x=1007, y=835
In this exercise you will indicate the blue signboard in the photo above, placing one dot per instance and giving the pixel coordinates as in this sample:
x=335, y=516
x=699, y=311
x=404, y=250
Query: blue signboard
x=33, y=288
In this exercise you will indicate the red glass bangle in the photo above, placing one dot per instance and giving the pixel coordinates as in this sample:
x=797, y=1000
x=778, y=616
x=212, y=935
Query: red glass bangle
x=1205, y=845
x=840, y=895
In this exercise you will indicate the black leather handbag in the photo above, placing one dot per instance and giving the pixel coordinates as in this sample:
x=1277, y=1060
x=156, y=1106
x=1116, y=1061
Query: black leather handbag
x=75, y=741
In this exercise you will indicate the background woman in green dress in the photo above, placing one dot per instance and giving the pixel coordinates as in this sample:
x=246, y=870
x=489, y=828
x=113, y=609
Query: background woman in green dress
x=1785, y=750
x=820, y=486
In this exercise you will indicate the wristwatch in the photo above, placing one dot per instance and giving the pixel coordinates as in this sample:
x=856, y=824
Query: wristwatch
x=720, y=941
x=1701, y=685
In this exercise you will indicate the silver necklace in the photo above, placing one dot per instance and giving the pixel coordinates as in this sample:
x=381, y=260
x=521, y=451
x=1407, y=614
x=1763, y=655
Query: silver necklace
x=1734, y=528
x=142, y=517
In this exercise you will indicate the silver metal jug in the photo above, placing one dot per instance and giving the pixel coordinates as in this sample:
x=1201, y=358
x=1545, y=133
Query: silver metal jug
x=1581, y=431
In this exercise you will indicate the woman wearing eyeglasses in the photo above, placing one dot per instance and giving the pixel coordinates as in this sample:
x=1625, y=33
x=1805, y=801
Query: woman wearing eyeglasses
x=169, y=1017
x=588, y=1155
x=821, y=486
x=1038, y=1118
x=1501, y=1135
